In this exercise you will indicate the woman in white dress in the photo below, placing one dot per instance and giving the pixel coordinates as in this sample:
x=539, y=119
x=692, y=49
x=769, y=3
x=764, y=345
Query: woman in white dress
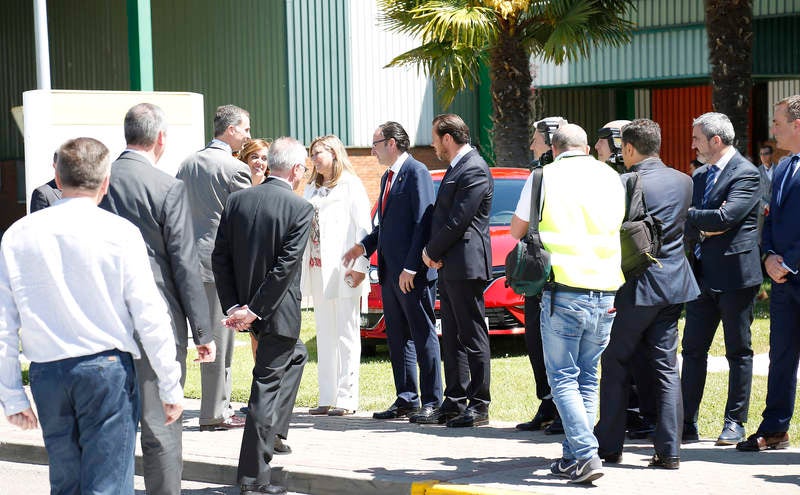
x=341, y=219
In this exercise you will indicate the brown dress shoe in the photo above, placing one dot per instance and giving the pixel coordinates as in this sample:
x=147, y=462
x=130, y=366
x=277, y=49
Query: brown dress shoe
x=319, y=410
x=340, y=411
x=764, y=441
x=227, y=424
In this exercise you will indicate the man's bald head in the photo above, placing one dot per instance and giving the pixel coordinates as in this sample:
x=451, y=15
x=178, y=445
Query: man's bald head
x=569, y=137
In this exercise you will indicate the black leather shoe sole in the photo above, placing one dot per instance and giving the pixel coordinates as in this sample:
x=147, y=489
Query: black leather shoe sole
x=665, y=462
x=554, y=428
x=610, y=457
x=395, y=413
x=535, y=424
x=467, y=420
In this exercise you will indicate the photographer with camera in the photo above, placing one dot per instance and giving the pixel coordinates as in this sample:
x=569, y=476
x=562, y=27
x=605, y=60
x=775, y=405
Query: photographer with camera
x=546, y=417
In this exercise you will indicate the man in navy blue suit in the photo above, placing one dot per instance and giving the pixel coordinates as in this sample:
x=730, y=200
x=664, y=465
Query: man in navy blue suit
x=648, y=308
x=404, y=220
x=781, y=243
x=722, y=227
x=460, y=248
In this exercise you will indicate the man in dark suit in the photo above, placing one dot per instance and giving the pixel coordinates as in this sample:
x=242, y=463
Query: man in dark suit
x=460, y=248
x=648, y=307
x=156, y=203
x=781, y=240
x=211, y=175
x=722, y=228
x=257, y=262
x=404, y=214
x=46, y=194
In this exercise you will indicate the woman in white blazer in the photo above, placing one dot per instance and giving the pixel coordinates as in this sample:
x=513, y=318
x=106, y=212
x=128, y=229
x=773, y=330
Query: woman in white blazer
x=341, y=219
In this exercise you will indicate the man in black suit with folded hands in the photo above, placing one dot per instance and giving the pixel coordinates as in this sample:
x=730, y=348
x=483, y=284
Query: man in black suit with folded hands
x=722, y=224
x=257, y=261
x=460, y=248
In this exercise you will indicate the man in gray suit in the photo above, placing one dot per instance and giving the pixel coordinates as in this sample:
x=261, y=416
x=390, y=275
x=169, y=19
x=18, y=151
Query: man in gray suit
x=211, y=175
x=156, y=203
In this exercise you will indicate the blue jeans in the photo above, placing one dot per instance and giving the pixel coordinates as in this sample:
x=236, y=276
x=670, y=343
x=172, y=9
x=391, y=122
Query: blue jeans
x=88, y=408
x=573, y=338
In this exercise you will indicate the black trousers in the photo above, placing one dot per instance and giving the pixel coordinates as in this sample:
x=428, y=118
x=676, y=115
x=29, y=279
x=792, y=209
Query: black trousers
x=290, y=385
x=652, y=330
x=465, y=345
x=273, y=358
x=735, y=309
x=533, y=342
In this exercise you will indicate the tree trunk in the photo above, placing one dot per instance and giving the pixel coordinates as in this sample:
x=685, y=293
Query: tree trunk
x=511, y=91
x=730, y=45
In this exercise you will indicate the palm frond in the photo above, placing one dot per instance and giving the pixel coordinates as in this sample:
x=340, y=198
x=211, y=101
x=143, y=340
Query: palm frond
x=453, y=67
x=461, y=22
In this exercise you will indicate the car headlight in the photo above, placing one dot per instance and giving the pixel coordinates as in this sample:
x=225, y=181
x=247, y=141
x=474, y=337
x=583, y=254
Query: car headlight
x=373, y=275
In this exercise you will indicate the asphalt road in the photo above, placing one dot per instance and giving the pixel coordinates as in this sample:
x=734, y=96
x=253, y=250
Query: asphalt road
x=32, y=479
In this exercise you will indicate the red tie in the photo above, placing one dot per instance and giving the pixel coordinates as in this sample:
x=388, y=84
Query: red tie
x=386, y=191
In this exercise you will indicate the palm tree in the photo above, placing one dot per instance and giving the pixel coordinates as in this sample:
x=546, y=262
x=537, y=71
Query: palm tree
x=457, y=36
x=729, y=24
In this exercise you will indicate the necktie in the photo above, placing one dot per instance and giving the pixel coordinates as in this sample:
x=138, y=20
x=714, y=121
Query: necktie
x=713, y=170
x=789, y=173
x=386, y=191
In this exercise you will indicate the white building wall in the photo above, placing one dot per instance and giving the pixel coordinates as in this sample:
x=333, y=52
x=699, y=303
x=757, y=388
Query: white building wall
x=379, y=94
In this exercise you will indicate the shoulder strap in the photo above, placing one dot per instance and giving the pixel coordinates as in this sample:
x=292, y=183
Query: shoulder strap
x=536, y=192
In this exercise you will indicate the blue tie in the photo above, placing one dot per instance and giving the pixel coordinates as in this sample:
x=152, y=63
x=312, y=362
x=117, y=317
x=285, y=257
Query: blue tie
x=789, y=173
x=713, y=170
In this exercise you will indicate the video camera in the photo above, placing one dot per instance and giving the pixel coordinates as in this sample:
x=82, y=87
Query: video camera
x=614, y=137
x=546, y=128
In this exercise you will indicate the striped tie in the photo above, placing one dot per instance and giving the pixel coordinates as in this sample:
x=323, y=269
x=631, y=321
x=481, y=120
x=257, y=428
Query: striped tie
x=789, y=173
x=713, y=170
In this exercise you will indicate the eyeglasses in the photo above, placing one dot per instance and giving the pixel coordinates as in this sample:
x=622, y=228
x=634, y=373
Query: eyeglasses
x=305, y=169
x=765, y=153
x=375, y=143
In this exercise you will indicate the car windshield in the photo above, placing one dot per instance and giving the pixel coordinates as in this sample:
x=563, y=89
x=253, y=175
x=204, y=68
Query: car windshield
x=504, y=202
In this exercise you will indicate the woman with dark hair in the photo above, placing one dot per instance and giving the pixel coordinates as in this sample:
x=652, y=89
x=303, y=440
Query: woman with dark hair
x=341, y=219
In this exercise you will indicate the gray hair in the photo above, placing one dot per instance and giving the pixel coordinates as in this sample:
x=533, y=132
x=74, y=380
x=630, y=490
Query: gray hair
x=792, y=107
x=715, y=124
x=568, y=137
x=285, y=153
x=226, y=116
x=83, y=163
x=143, y=122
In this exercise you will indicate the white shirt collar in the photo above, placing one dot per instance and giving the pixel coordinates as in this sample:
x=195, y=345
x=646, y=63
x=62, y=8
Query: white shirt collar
x=569, y=153
x=222, y=144
x=140, y=153
x=398, y=164
x=461, y=152
x=726, y=157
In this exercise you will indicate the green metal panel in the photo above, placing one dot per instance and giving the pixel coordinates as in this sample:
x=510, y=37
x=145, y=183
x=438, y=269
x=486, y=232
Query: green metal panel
x=776, y=46
x=590, y=108
x=231, y=52
x=18, y=73
x=140, y=45
x=654, y=13
x=317, y=54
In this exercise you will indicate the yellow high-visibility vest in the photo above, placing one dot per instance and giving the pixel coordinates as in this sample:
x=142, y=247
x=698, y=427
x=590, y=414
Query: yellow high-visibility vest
x=584, y=206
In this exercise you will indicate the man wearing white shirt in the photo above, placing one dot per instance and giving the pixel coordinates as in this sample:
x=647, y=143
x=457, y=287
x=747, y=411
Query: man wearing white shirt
x=75, y=286
x=460, y=248
x=408, y=286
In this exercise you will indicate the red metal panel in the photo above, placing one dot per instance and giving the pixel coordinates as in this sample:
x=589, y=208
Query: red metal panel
x=674, y=109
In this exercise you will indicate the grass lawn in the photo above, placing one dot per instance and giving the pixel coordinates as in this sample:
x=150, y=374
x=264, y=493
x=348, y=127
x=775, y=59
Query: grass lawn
x=513, y=394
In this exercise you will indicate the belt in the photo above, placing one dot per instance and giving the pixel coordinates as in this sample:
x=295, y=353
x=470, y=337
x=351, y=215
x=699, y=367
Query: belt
x=554, y=287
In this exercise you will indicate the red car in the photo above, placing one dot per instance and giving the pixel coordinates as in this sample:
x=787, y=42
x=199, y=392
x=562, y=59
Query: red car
x=505, y=311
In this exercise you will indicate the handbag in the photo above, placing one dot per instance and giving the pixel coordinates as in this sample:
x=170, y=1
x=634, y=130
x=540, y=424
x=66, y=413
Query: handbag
x=528, y=264
x=641, y=234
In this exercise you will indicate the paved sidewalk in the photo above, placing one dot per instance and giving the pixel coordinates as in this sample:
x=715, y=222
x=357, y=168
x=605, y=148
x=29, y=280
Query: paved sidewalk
x=359, y=455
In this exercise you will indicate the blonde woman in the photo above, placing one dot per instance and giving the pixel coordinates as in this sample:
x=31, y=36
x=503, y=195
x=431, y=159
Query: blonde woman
x=254, y=154
x=341, y=218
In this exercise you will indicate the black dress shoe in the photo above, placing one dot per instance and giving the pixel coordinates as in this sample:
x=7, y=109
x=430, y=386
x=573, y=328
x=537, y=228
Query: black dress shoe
x=690, y=433
x=544, y=417
x=732, y=433
x=610, y=457
x=640, y=427
x=395, y=412
x=281, y=448
x=260, y=489
x=665, y=462
x=555, y=428
x=469, y=418
x=428, y=415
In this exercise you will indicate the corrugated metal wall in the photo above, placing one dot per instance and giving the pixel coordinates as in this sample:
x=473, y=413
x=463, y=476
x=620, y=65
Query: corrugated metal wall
x=231, y=52
x=589, y=108
x=768, y=35
x=318, y=58
x=642, y=104
x=652, y=13
x=778, y=90
x=18, y=73
x=674, y=109
x=378, y=94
